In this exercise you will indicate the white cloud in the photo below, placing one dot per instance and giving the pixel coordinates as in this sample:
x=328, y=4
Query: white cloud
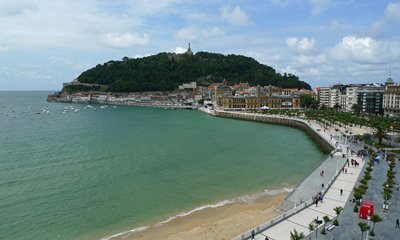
x=3, y=49
x=146, y=7
x=180, y=50
x=283, y=3
x=214, y=32
x=15, y=8
x=366, y=50
x=393, y=11
x=125, y=40
x=194, y=33
x=188, y=33
x=318, y=6
x=312, y=72
x=301, y=45
x=235, y=16
x=289, y=69
x=305, y=60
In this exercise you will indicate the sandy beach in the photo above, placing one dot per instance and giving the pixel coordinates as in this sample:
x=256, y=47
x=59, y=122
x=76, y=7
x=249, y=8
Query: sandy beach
x=222, y=222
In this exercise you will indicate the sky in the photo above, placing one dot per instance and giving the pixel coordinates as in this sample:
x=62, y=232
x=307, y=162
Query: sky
x=44, y=43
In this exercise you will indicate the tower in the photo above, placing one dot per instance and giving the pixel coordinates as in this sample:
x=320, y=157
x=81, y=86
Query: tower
x=389, y=81
x=189, y=51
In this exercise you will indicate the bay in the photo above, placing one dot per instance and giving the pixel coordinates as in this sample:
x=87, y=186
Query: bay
x=99, y=171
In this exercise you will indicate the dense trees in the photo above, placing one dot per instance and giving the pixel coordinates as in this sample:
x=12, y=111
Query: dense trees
x=165, y=71
x=307, y=101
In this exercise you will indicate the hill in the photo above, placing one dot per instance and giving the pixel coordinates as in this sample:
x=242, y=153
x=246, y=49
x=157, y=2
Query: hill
x=166, y=71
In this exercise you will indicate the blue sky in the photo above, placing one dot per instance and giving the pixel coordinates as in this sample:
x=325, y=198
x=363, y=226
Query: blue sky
x=44, y=43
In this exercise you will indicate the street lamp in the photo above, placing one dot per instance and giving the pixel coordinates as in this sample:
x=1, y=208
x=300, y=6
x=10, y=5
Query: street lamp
x=337, y=165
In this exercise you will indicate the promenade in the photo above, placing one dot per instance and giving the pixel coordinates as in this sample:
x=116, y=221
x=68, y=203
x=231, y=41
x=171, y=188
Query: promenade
x=298, y=210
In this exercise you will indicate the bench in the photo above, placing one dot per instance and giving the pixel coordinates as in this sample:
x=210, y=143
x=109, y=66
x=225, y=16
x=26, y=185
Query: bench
x=330, y=227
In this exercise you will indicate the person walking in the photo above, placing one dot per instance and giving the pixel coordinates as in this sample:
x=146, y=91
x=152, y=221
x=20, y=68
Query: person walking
x=341, y=192
x=397, y=223
x=252, y=234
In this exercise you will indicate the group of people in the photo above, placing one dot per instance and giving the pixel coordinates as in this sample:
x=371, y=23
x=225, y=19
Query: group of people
x=353, y=162
x=318, y=198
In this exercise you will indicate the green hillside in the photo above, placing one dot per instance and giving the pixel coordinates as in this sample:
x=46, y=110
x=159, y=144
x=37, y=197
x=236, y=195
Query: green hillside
x=165, y=71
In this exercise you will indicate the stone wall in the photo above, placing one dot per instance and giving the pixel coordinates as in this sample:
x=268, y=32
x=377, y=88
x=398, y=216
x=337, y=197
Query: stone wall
x=300, y=124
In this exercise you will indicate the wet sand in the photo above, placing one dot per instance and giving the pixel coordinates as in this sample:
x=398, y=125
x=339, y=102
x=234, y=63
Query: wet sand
x=222, y=222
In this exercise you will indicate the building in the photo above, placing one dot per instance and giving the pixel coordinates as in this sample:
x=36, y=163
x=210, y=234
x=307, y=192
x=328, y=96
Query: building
x=334, y=97
x=188, y=86
x=261, y=97
x=391, y=98
x=324, y=96
x=220, y=92
x=370, y=98
x=351, y=97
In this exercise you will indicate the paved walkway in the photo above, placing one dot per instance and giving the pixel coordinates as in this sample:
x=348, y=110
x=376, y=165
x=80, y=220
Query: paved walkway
x=348, y=220
x=332, y=199
x=312, y=185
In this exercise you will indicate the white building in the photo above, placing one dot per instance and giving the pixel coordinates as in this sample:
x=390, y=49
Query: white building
x=351, y=97
x=191, y=85
x=334, y=97
x=324, y=94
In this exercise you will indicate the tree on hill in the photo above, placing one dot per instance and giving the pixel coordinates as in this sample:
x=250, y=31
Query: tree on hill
x=166, y=71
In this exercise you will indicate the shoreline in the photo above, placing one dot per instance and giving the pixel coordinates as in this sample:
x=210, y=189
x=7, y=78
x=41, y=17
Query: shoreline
x=222, y=220
x=226, y=221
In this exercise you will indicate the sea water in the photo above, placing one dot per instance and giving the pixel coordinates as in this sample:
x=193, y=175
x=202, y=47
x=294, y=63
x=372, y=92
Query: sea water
x=98, y=171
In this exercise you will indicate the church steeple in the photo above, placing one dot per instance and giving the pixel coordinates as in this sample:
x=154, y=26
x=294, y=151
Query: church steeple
x=189, y=51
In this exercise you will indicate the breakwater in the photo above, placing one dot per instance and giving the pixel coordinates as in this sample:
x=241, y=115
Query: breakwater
x=292, y=122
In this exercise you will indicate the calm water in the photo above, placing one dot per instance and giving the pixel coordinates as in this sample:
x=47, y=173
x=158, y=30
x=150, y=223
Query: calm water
x=97, y=172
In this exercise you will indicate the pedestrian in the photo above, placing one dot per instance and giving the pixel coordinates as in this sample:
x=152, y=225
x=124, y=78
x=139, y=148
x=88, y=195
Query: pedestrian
x=323, y=186
x=397, y=223
x=322, y=173
x=341, y=192
x=252, y=234
x=266, y=238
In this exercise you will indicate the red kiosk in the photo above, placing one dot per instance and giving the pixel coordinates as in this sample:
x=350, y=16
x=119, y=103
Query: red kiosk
x=366, y=209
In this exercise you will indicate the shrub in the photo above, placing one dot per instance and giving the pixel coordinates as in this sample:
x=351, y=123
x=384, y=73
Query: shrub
x=355, y=208
x=335, y=222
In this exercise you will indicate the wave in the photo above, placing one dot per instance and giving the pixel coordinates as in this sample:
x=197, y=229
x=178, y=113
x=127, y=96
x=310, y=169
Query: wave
x=183, y=214
x=139, y=229
x=248, y=199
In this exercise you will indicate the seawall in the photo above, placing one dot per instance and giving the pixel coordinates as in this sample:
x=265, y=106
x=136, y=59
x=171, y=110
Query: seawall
x=300, y=124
